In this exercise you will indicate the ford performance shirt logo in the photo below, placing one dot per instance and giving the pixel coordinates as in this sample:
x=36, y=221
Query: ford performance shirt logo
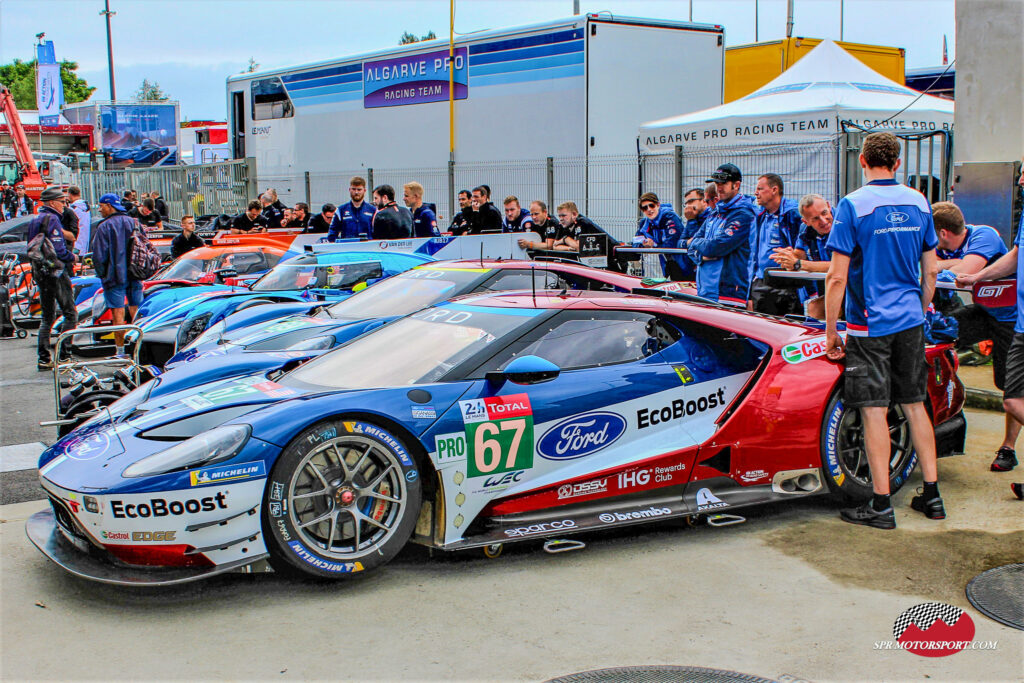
x=581, y=435
x=897, y=218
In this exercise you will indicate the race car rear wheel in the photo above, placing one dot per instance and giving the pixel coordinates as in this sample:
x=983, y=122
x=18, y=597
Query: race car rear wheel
x=343, y=498
x=844, y=459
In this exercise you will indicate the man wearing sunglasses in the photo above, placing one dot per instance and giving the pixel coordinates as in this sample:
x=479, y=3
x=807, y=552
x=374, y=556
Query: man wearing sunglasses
x=662, y=228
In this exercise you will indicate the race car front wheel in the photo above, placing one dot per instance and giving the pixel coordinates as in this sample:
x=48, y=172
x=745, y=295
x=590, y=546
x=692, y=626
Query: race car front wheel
x=85, y=406
x=844, y=459
x=343, y=498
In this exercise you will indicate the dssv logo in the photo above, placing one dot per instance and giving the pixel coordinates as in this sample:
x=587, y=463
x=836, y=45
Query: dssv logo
x=581, y=435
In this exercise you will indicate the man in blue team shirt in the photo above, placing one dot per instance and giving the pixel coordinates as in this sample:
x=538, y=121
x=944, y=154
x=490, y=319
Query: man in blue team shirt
x=810, y=253
x=963, y=250
x=354, y=218
x=721, y=249
x=883, y=259
x=424, y=220
x=662, y=227
x=517, y=219
x=695, y=212
x=1013, y=391
x=777, y=225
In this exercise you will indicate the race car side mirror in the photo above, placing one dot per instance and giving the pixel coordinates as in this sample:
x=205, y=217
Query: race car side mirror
x=526, y=370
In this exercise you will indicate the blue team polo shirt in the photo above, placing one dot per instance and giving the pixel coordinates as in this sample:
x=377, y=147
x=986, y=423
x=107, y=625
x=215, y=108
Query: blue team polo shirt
x=983, y=241
x=1019, y=327
x=883, y=227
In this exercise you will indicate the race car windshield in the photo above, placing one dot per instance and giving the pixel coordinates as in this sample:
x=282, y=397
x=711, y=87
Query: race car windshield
x=418, y=349
x=186, y=269
x=318, y=276
x=401, y=295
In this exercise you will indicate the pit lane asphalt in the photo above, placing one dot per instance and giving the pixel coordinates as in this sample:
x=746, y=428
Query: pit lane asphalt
x=793, y=592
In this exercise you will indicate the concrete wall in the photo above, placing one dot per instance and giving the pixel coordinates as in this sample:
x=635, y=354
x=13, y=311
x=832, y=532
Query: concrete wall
x=989, y=121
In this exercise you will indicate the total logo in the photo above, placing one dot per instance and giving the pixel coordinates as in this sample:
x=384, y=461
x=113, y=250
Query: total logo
x=585, y=488
x=651, y=512
x=540, y=528
x=497, y=408
x=799, y=352
x=709, y=501
x=581, y=435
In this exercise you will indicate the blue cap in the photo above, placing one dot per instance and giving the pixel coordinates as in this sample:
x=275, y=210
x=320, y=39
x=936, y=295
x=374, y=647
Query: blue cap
x=113, y=200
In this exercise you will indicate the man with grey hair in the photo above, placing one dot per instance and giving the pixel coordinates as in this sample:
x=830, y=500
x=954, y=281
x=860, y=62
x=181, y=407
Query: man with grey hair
x=810, y=253
x=273, y=209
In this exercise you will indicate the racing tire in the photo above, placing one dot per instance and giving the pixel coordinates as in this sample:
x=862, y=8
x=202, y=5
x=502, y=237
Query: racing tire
x=83, y=407
x=844, y=461
x=343, y=498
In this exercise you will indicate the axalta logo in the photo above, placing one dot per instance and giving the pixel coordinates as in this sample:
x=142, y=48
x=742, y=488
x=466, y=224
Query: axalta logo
x=709, y=501
x=540, y=528
x=159, y=507
x=649, y=513
x=585, y=488
x=799, y=352
x=679, y=408
x=897, y=217
x=581, y=435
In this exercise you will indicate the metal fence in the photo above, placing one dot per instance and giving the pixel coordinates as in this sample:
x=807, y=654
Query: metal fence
x=604, y=188
x=201, y=189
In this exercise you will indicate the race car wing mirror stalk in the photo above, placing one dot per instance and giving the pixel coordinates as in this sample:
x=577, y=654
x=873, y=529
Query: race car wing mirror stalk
x=525, y=370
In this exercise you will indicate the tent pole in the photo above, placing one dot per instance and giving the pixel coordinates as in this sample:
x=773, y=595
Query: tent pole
x=789, y=18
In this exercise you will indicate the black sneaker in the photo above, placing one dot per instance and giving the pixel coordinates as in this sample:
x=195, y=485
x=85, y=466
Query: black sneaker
x=1018, y=490
x=1006, y=460
x=868, y=516
x=932, y=509
x=44, y=365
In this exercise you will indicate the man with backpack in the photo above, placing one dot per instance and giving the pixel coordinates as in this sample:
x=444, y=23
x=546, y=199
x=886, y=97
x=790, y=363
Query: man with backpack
x=122, y=257
x=50, y=256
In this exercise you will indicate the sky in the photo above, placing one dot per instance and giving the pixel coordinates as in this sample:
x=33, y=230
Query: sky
x=190, y=47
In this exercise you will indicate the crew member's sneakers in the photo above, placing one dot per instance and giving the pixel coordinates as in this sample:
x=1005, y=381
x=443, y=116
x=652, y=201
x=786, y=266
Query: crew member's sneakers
x=1018, y=490
x=932, y=509
x=44, y=365
x=868, y=516
x=1006, y=460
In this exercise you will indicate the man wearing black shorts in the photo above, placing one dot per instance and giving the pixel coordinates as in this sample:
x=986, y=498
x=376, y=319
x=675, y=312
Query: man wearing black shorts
x=883, y=259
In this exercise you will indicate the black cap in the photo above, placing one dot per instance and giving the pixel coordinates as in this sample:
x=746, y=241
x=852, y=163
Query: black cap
x=51, y=193
x=726, y=173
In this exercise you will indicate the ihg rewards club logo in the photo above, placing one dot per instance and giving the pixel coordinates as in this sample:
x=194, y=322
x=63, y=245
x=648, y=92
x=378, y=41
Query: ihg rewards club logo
x=934, y=629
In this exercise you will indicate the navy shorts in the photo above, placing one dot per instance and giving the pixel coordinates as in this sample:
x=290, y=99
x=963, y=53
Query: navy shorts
x=115, y=296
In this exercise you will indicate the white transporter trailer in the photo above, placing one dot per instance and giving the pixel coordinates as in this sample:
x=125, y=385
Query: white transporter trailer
x=572, y=90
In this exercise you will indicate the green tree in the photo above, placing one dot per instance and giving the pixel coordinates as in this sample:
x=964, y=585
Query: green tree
x=149, y=92
x=408, y=38
x=20, y=78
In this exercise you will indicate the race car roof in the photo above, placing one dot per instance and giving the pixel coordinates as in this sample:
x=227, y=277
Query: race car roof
x=770, y=329
x=628, y=282
x=202, y=253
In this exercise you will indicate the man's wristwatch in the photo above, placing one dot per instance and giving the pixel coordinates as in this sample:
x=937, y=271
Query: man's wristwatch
x=796, y=264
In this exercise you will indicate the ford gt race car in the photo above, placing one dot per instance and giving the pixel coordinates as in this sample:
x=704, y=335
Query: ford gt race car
x=312, y=327
x=491, y=419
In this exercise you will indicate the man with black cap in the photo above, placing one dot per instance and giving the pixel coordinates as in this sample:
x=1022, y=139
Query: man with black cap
x=54, y=285
x=110, y=259
x=721, y=249
x=6, y=197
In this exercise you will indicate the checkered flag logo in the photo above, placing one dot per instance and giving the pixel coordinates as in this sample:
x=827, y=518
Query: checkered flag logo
x=925, y=615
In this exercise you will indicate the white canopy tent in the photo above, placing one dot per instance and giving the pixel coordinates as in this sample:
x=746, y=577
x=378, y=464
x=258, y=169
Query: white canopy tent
x=808, y=101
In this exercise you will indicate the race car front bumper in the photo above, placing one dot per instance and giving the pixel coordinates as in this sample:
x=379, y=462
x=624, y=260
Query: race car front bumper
x=76, y=556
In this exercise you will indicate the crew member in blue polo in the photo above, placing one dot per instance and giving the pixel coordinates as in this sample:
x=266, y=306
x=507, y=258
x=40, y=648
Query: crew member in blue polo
x=355, y=217
x=1013, y=391
x=810, y=253
x=776, y=226
x=965, y=249
x=516, y=218
x=424, y=218
x=721, y=249
x=883, y=259
x=662, y=227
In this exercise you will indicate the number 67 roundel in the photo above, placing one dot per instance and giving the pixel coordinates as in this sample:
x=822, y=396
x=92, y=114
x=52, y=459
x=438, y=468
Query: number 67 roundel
x=499, y=434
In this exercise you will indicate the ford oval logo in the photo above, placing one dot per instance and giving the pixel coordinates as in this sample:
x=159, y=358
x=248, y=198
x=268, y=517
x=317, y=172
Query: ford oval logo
x=897, y=217
x=581, y=435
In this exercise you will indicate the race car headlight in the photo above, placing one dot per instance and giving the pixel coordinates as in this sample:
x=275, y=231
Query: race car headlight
x=207, y=337
x=312, y=344
x=191, y=329
x=207, y=448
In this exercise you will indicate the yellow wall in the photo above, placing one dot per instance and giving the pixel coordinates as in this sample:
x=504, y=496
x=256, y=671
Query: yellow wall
x=748, y=67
